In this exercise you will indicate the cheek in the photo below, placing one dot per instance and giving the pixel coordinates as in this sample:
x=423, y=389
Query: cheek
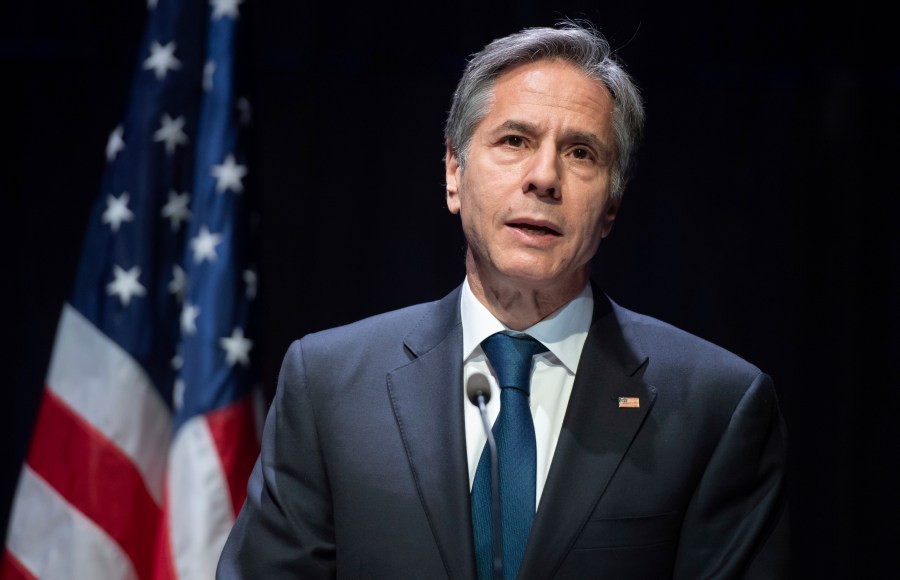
x=469, y=208
x=591, y=226
x=475, y=201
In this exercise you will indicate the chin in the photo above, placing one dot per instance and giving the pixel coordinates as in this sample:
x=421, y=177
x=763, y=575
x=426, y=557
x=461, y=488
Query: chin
x=543, y=274
x=534, y=276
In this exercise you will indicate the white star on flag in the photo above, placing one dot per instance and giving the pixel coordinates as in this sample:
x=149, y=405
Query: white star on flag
x=209, y=70
x=178, y=283
x=176, y=210
x=162, y=59
x=237, y=348
x=177, y=361
x=125, y=285
x=227, y=8
x=115, y=143
x=229, y=175
x=117, y=211
x=204, y=245
x=170, y=131
x=189, y=316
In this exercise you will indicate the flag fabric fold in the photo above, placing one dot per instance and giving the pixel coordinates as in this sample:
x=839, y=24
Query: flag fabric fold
x=148, y=426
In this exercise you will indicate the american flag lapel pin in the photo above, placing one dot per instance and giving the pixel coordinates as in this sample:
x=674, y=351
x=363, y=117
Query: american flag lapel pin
x=629, y=402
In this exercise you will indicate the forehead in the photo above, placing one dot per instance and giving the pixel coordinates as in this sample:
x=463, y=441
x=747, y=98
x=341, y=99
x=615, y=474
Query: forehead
x=551, y=89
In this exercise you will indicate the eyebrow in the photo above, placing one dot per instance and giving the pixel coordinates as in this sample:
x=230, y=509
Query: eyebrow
x=518, y=126
x=578, y=136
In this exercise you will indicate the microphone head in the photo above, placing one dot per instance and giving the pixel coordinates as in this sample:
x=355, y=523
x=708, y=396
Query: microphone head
x=478, y=386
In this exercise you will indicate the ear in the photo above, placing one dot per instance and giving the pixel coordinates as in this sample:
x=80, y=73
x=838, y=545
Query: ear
x=609, y=216
x=454, y=171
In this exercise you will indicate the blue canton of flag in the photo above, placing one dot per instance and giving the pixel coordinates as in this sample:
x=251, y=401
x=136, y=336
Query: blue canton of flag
x=148, y=427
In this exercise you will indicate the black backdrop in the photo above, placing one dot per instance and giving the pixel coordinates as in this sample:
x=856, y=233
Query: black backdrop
x=762, y=216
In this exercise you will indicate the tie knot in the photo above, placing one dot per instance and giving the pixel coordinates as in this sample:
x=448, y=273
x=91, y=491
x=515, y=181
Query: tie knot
x=510, y=357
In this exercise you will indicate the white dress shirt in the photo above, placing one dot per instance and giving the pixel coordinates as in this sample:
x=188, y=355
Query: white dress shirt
x=552, y=376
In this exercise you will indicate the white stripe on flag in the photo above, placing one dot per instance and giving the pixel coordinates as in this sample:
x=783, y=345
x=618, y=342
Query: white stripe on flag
x=107, y=387
x=54, y=540
x=200, y=514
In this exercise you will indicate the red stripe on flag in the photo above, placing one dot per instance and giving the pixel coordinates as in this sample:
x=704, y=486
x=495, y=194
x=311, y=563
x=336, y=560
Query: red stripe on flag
x=12, y=569
x=95, y=477
x=233, y=430
x=163, y=561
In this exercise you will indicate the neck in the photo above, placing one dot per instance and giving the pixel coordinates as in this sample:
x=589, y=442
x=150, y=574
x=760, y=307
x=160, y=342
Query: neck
x=521, y=305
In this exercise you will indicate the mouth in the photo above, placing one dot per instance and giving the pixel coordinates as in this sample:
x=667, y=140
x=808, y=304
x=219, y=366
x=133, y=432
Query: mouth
x=534, y=229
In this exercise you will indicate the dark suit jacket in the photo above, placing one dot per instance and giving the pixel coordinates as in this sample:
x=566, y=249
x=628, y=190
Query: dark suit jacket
x=363, y=470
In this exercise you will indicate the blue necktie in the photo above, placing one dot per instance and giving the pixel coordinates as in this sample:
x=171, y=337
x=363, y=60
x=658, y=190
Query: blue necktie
x=510, y=357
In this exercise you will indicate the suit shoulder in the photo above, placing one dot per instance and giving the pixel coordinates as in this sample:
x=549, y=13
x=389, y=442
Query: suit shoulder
x=386, y=324
x=384, y=337
x=673, y=348
x=358, y=356
x=374, y=334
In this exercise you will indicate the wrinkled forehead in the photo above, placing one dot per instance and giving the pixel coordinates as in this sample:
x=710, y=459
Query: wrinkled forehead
x=551, y=91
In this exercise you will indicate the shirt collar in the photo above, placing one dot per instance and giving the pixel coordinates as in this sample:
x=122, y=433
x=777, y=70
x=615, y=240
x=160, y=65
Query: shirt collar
x=563, y=332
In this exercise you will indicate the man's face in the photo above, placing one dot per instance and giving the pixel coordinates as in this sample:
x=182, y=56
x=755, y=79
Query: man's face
x=534, y=197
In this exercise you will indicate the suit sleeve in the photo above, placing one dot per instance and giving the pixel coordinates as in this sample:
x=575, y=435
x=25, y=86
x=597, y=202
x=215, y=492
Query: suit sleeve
x=736, y=523
x=286, y=526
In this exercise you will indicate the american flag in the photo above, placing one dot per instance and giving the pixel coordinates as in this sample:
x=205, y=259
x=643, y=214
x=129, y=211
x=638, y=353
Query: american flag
x=147, y=429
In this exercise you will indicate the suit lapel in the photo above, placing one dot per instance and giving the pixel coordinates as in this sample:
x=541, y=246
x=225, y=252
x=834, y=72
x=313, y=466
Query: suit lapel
x=427, y=400
x=596, y=434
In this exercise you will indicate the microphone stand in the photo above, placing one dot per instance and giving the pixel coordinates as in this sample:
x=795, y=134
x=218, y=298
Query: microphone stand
x=496, y=532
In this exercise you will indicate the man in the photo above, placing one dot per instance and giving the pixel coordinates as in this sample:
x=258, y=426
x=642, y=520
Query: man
x=647, y=452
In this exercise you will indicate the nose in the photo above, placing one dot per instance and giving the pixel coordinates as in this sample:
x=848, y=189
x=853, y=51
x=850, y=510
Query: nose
x=543, y=174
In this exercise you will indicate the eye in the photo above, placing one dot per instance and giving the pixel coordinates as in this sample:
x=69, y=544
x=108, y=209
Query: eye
x=581, y=153
x=514, y=141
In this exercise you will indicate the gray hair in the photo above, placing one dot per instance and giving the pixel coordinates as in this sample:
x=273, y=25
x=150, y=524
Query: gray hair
x=579, y=44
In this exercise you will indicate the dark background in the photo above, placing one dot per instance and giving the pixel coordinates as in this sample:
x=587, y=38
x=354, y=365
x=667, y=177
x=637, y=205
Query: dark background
x=762, y=216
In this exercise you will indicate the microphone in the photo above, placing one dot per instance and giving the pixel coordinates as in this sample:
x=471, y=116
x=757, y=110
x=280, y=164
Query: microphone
x=478, y=391
x=478, y=386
